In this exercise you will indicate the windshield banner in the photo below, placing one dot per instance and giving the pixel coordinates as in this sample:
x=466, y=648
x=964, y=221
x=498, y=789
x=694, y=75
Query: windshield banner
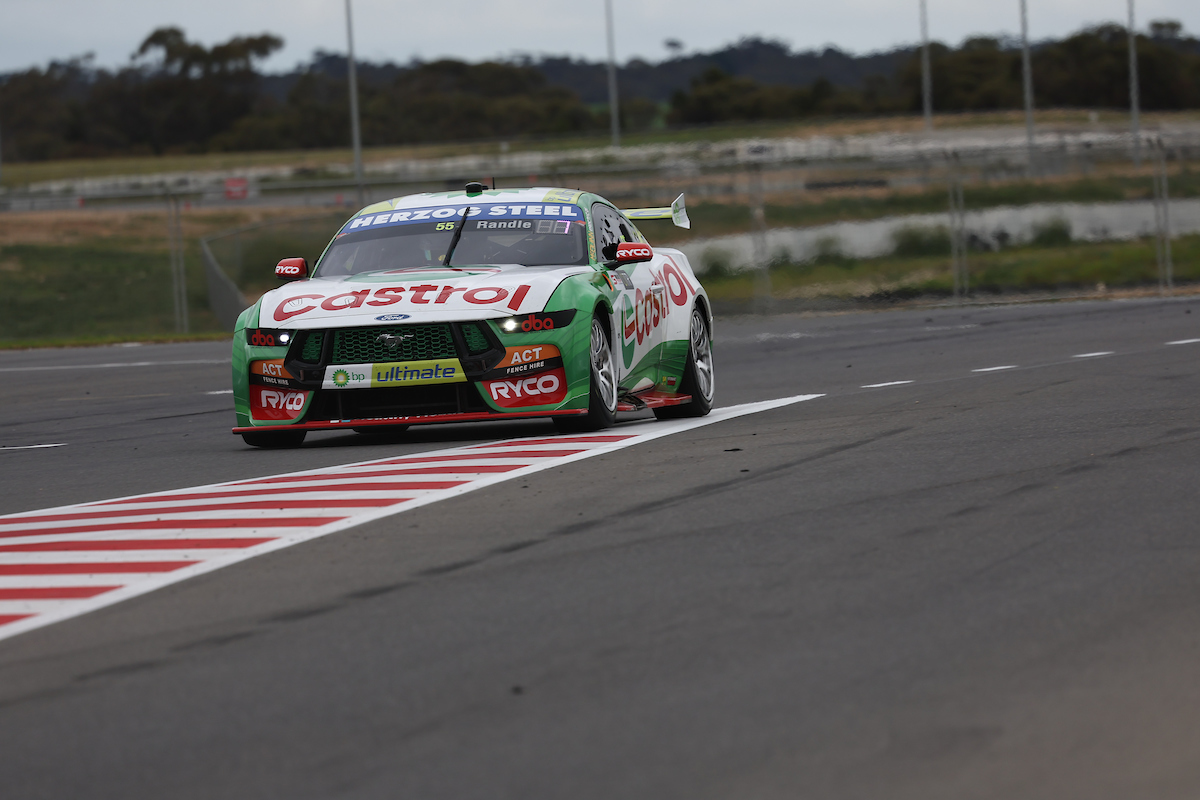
x=485, y=211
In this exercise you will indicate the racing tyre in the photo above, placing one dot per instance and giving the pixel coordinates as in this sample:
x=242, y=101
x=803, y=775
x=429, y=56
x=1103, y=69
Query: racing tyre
x=274, y=440
x=602, y=398
x=698, y=377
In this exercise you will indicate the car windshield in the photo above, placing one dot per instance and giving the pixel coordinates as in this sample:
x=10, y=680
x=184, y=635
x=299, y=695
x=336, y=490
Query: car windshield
x=496, y=240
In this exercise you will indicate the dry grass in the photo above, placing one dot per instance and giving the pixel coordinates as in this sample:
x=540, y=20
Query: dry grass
x=21, y=174
x=139, y=229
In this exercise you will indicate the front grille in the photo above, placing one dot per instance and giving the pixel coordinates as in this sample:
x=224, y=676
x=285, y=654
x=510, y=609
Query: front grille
x=310, y=350
x=477, y=341
x=361, y=345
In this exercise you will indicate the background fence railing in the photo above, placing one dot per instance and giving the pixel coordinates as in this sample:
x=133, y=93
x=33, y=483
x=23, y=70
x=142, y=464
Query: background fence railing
x=792, y=216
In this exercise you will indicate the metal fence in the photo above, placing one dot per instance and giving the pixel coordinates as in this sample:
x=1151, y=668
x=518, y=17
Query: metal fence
x=969, y=170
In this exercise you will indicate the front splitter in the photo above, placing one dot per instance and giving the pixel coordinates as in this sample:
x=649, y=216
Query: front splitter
x=427, y=419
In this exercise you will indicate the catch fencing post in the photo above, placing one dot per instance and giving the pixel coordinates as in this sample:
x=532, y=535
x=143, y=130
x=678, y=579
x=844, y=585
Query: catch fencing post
x=1162, y=221
x=762, y=294
x=178, y=274
x=926, y=77
x=1134, y=99
x=958, y=222
x=614, y=113
x=1027, y=81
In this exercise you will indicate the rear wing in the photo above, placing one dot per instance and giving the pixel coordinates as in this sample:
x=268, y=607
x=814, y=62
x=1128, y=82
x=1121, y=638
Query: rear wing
x=676, y=212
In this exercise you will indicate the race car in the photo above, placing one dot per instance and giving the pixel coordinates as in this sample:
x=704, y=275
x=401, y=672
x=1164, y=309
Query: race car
x=483, y=304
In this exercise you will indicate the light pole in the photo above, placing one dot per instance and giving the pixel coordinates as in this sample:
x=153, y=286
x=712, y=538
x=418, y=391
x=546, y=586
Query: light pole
x=1027, y=77
x=613, y=111
x=355, y=133
x=926, y=77
x=1134, y=101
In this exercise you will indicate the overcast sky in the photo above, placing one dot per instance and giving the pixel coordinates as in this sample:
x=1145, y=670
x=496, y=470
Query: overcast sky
x=32, y=32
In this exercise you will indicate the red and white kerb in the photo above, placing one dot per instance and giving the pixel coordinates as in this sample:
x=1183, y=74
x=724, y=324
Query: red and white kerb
x=61, y=562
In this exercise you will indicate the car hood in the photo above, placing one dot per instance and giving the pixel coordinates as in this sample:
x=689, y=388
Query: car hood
x=417, y=294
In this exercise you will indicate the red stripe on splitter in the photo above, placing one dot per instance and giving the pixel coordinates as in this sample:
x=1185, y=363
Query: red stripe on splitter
x=54, y=592
x=472, y=456
x=387, y=473
x=274, y=505
x=7, y=618
x=94, y=569
x=415, y=486
x=572, y=440
x=172, y=524
x=135, y=544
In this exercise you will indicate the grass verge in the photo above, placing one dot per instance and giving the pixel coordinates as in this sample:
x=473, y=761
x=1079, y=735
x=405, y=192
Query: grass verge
x=1079, y=266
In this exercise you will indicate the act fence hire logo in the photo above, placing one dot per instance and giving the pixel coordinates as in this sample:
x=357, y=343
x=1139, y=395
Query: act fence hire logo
x=402, y=373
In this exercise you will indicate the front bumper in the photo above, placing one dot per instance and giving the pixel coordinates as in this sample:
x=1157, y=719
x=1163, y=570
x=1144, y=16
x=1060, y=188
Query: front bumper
x=426, y=419
x=496, y=374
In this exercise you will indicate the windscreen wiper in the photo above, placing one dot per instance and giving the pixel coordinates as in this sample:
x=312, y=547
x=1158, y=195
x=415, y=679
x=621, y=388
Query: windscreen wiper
x=458, y=229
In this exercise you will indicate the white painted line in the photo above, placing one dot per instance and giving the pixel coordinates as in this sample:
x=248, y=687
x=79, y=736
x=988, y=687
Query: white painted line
x=1185, y=341
x=881, y=385
x=33, y=446
x=58, y=563
x=1094, y=355
x=995, y=369
x=222, y=391
x=117, y=364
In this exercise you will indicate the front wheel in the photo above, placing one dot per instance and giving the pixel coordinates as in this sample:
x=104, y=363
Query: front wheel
x=698, y=375
x=602, y=396
x=274, y=439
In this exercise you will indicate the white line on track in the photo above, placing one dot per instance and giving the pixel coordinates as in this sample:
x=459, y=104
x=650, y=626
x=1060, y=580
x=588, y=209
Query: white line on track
x=1185, y=341
x=116, y=365
x=58, y=563
x=881, y=385
x=1094, y=355
x=221, y=391
x=995, y=369
x=33, y=446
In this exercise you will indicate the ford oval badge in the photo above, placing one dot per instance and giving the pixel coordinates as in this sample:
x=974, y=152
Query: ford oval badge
x=392, y=317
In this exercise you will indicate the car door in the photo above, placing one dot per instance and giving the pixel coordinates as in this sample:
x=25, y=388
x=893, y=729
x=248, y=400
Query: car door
x=637, y=326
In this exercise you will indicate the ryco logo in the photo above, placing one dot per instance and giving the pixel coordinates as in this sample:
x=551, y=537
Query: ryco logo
x=546, y=384
x=539, y=390
x=287, y=269
x=292, y=401
x=276, y=404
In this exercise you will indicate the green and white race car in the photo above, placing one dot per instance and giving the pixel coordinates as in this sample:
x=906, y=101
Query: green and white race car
x=484, y=304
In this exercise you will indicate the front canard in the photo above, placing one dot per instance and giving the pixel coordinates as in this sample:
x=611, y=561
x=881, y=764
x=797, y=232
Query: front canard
x=393, y=374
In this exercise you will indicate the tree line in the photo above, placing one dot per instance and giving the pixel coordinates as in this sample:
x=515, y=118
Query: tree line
x=180, y=96
x=1089, y=69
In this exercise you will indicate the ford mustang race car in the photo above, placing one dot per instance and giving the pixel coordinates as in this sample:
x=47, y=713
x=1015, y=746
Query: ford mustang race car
x=483, y=304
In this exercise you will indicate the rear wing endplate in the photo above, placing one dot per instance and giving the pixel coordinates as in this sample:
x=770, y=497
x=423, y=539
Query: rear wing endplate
x=676, y=212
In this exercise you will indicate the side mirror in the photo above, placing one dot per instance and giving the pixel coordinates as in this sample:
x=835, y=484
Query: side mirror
x=292, y=269
x=633, y=253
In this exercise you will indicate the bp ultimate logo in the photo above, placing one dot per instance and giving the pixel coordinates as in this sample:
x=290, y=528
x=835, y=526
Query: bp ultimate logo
x=391, y=374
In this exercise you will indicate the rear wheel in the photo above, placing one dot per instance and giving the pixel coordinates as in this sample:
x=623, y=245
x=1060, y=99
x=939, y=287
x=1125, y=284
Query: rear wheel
x=274, y=439
x=698, y=376
x=602, y=396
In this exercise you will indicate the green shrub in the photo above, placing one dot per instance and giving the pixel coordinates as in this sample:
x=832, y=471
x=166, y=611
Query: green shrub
x=916, y=241
x=1054, y=233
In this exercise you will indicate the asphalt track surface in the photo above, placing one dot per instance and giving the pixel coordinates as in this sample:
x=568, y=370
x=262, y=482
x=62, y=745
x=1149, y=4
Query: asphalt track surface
x=975, y=584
